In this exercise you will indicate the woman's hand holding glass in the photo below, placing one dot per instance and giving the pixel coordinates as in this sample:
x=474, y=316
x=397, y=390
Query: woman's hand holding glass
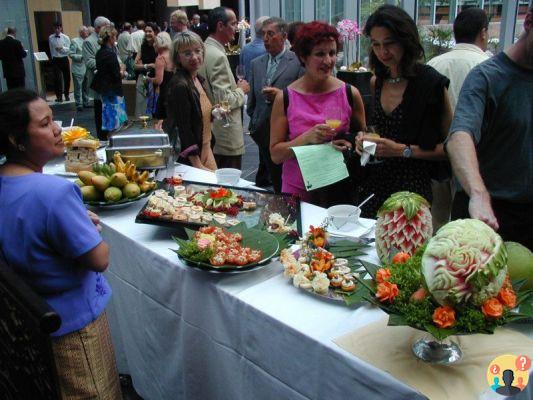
x=385, y=148
x=319, y=134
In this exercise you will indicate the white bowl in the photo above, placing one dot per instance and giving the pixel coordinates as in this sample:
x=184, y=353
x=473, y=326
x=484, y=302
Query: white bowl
x=342, y=214
x=228, y=176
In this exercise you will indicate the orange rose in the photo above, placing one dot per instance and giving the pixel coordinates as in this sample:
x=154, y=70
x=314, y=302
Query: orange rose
x=492, y=308
x=507, y=297
x=387, y=291
x=319, y=241
x=419, y=295
x=400, y=258
x=383, y=275
x=444, y=317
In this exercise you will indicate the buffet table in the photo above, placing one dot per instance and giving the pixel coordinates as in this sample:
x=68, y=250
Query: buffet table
x=187, y=334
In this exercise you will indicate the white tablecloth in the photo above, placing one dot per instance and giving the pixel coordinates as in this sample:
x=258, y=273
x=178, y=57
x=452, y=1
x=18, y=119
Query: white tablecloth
x=187, y=334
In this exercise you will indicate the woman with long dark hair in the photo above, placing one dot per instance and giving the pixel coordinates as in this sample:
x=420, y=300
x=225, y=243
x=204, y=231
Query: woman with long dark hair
x=411, y=112
x=188, y=121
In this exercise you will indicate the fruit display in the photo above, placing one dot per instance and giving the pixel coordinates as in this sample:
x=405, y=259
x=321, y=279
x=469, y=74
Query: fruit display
x=466, y=261
x=81, y=149
x=404, y=224
x=113, y=182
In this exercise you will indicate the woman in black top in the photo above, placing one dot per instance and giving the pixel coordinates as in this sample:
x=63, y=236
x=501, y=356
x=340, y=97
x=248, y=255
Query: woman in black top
x=108, y=81
x=188, y=121
x=411, y=112
x=144, y=66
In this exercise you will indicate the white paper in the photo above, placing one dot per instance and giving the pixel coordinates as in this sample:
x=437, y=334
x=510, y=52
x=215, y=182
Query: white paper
x=369, y=149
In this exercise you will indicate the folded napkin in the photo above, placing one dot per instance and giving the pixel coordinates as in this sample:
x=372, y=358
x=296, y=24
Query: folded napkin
x=369, y=149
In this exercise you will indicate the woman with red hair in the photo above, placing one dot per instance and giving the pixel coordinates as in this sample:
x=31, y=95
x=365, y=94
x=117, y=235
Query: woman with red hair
x=299, y=113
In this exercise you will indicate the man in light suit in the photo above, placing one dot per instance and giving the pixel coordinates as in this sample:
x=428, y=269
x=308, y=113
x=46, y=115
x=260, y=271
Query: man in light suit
x=90, y=47
x=270, y=73
x=78, y=69
x=11, y=54
x=229, y=141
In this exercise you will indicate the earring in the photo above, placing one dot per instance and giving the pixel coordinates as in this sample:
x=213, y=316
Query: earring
x=21, y=147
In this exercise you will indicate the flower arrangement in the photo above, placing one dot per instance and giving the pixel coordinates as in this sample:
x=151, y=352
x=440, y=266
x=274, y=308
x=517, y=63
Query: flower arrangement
x=349, y=30
x=456, y=284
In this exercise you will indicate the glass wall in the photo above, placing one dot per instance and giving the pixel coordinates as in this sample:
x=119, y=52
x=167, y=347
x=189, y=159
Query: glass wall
x=367, y=8
x=331, y=11
x=434, y=18
x=292, y=10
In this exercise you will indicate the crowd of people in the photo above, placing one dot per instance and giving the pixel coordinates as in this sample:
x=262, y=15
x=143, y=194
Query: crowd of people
x=463, y=115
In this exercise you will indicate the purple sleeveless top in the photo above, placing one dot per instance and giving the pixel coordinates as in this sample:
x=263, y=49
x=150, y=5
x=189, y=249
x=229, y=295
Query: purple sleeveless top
x=304, y=112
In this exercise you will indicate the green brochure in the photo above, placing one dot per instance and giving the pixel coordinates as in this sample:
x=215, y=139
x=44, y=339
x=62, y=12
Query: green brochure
x=320, y=164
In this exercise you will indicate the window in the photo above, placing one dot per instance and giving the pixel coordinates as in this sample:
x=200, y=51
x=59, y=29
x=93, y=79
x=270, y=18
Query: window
x=331, y=11
x=367, y=8
x=292, y=10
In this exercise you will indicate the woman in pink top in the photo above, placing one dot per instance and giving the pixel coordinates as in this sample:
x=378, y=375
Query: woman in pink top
x=310, y=97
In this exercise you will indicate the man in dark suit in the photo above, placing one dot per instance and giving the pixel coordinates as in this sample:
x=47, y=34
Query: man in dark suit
x=11, y=54
x=270, y=73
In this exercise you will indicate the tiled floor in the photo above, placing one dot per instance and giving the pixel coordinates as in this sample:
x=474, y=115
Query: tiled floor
x=65, y=111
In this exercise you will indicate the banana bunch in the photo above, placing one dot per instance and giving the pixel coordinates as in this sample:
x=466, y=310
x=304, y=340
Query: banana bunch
x=130, y=170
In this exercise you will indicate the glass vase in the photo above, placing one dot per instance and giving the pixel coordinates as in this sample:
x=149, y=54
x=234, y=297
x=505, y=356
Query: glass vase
x=431, y=350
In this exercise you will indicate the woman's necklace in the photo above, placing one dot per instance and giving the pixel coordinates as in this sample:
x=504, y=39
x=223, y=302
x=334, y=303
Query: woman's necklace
x=398, y=79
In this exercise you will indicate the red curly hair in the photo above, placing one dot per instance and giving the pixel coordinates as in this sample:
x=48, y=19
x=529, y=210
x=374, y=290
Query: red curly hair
x=311, y=34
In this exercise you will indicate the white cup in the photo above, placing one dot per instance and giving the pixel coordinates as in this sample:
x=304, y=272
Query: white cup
x=342, y=214
x=228, y=176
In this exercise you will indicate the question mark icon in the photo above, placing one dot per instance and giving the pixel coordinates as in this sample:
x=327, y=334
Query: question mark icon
x=523, y=363
x=495, y=369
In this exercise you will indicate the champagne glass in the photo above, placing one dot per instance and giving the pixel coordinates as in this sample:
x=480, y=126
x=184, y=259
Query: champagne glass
x=240, y=71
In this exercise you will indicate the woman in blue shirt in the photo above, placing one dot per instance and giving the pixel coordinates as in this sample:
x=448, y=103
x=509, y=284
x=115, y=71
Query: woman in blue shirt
x=48, y=238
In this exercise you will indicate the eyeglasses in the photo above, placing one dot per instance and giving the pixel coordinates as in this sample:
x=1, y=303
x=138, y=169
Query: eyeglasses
x=190, y=53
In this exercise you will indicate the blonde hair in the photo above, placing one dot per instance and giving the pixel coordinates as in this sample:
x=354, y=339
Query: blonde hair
x=185, y=39
x=105, y=34
x=180, y=16
x=163, y=40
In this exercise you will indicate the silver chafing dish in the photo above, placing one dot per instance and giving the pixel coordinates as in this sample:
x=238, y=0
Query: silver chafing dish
x=146, y=147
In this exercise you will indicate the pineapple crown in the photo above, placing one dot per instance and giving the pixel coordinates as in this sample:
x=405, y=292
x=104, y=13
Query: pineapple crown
x=408, y=201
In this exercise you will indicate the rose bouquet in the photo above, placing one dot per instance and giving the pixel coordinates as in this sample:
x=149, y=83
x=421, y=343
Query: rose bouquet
x=456, y=284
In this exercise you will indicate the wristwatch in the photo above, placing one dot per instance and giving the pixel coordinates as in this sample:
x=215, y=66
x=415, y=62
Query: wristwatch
x=407, y=151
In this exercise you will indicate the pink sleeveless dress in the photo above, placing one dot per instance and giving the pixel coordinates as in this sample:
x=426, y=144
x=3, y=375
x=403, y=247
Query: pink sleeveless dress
x=304, y=112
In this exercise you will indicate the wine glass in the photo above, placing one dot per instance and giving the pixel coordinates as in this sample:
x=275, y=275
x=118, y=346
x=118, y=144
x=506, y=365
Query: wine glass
x=267, y=84
x=221, y=98
x=240, y=71
x=333, y=117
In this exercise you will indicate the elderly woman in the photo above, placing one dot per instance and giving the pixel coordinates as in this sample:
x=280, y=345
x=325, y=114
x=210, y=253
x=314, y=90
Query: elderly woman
x=48, y=238
x=144, y=66
x=164, y=70
x=299, y=114
x=108, y=81
x=188, y=119
x=411, y=111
